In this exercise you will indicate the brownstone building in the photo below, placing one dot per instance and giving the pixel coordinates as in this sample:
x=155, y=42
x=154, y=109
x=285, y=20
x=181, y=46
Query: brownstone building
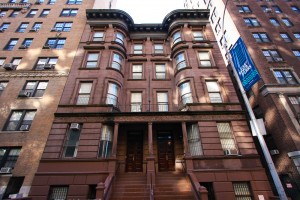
x=38, y=40
x=271, y=31
x=149, y=110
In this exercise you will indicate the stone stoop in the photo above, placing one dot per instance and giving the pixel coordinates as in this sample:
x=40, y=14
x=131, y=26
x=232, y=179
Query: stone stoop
x=130, y=186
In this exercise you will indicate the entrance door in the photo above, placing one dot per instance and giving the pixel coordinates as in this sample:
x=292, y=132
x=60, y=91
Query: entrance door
x=166, y=157
x=134, y=161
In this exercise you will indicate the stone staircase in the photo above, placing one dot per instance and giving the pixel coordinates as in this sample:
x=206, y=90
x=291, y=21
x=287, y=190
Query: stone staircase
x=172, y=185
x=130, y=186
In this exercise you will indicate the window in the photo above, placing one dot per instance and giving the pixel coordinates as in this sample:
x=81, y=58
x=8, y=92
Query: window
x=244, y=9
x=226, y=136
x=185, y=93
x=12, y=1
x=9, y=156
x=277, y=9
x=194, y=140
x=24, y=1
x=251, y=22
x=26, y=43
x=112, y=94
x=58, y=192
x=42, y=62
x=214, y=15
x=295, y=9
x=137, y=71
x=14, y=13
x=3, y=13
x=35, y=88
x=74, y=2
x=45, y=12
x=160, y=71
x=180, y=61
x=214, y=92
x=162, y=101
x=92, y=60
x=68, y=12
x=117, y=61
x=204, y=58
x=295, y=155
x=295, y=101
x=2, y=60
x=198, y=35
x=242, y=191
x=11, y=44
x=106, y=141
x=274, y=22
x=3, y=85
x=272, y=55
x=297, y=36
x=120, y=38
x=287, y=22
x=55, y=43
x=63, y=26
x=72, y=141
x=16, y=62
x=98, y=36
x=265, y=8
x=176, y=37
x=84, y=93
x=285, y=37
x=136, y=102
x=158, y=48
x=22, y=27
x=32, y=13
x=137, y=49
x=4, y=26
x=285, y=77
x=218, y=27
x=261, y=37
x=297, y=53
x=51, y=2
x=20, y=120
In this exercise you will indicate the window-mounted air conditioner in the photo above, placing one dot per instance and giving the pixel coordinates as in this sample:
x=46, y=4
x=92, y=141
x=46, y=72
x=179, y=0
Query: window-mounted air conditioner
x=39, y=2
x=48, y=66
x=9, y=66
x=4, y=170
x=24, y=93
x=23, y=46
x=278, y=59
x=268, y=10
x=46, y=46
x=229, y=152
x=24, y=127
x=2, y=30
x=33, y=30
x=75, y=126
x=274, y=152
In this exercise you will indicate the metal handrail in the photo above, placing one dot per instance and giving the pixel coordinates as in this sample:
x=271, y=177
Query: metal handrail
x=196, y=192
x=151, y=188
x=107, y=189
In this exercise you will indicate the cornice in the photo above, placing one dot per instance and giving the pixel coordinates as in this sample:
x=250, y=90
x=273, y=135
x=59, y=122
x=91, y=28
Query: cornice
x=21, y=74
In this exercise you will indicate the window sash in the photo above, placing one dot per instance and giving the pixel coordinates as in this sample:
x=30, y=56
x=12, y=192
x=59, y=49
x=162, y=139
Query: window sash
x=160, y=70
x=176, y=37
x=194, y=141
x=226, y=136
x=98, y=36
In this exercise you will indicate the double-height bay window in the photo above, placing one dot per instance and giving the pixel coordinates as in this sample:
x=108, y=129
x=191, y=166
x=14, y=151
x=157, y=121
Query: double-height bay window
x=137, y=71
x=20, y=120
x=226, y=138
x=92, y=60
x=136, y=102
x=120, y=38
x=34, y=88
x=185, y=93
x=9, y=157
x=180, y=61
x=176, y=37
x=112, y=94
x=205, y=60
x=194, y=140
x=84, y=93
x=98, y=36
x=106, y=141
x=214, y=92
x=162, y=101
x=72, y=141
x=160, y=71
x=285, y=77
x=117, y=61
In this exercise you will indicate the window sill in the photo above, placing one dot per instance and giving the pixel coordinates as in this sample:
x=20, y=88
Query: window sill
x=157, y=79
x=110, y=68
x=131, y=79
x=182, y=69
x=84, y=68
x=207, y=67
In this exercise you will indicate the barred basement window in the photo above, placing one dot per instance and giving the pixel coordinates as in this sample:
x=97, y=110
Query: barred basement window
x=58, y=192
x=72, y=142
x=194, y=140
x=242, y=191
x=106, y=141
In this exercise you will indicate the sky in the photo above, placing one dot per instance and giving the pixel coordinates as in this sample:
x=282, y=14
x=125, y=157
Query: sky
x=148, y=11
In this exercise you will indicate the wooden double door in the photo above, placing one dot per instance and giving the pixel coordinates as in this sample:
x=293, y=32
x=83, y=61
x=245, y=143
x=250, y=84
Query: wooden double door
x=165, y=149
x=134, y=157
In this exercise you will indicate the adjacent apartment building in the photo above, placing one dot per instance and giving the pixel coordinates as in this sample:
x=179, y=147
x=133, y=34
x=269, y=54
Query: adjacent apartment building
x=149, y=111
x=271, y=31
x=38, y=42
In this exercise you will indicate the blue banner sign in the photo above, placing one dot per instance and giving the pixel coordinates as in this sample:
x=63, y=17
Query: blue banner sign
x=244, y=65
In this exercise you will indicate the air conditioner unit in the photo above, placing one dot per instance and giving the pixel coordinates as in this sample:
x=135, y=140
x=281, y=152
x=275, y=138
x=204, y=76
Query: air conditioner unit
x=278, y=59
x=268, y=10
x=46, y=46
x=229, y=152
x=23, y=46
x=24, y=127
x=39, y=2
x=48, y=66
x=274, y=152
x=2, y=30
x=24, y=93
x=4, y=170
x=9, y=66
x=75, y=126
x=33, y=30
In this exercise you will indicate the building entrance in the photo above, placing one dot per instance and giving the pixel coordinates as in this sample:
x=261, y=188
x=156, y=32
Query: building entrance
x=165, y=149
x=134, y=160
